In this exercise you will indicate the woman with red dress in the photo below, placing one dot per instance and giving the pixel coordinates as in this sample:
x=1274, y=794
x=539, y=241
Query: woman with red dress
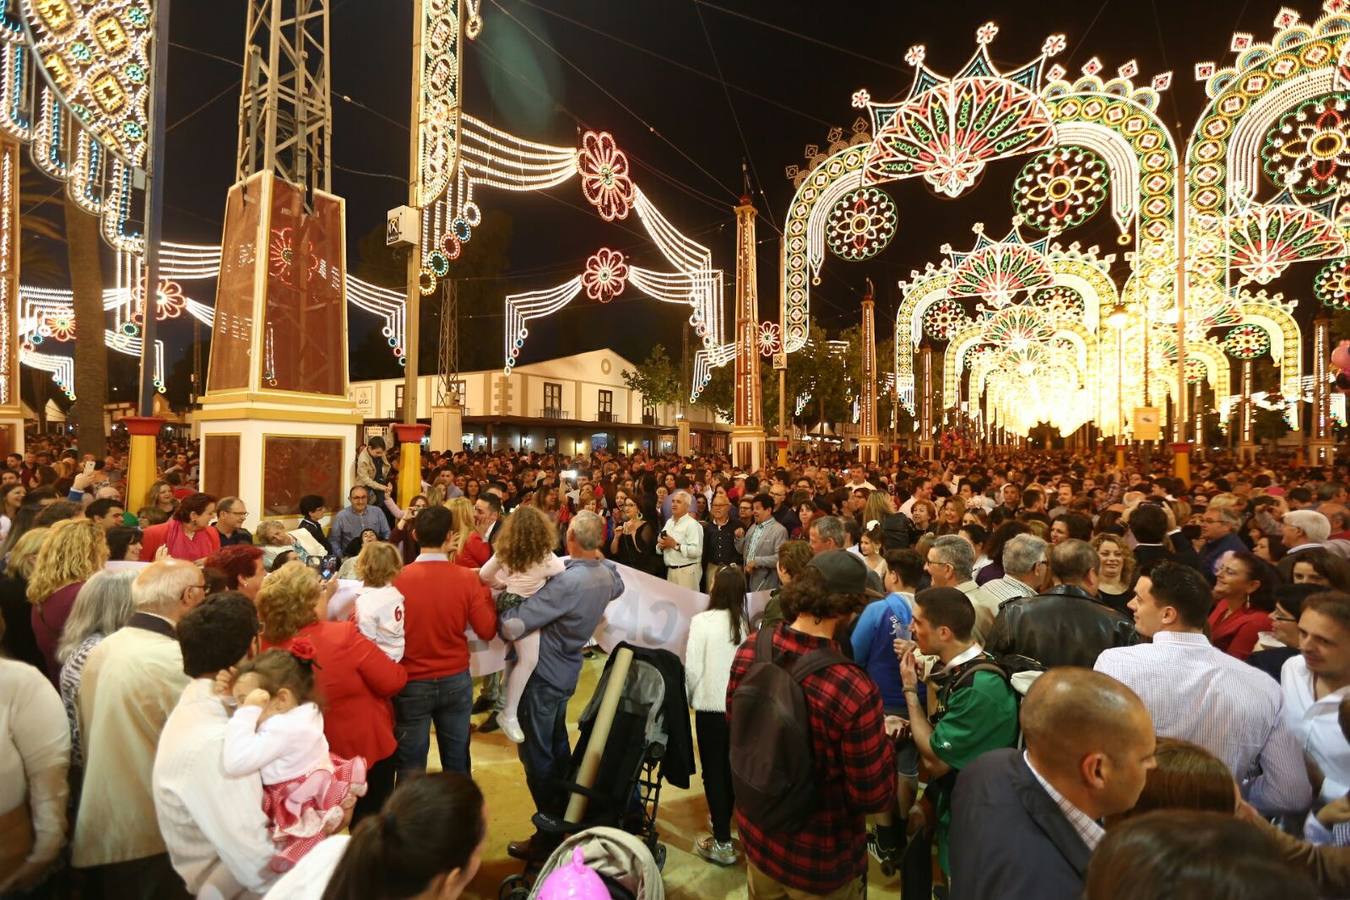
x=1244, y=597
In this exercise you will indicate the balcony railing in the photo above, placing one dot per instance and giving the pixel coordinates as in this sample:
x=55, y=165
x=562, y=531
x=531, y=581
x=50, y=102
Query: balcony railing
x=648, y=419
x=604, y=416
x=553, y=412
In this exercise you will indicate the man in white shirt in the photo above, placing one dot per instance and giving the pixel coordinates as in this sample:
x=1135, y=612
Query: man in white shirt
x=681, y=543
x=1314, y=684
x=857, y=478
x=131, y=682
x=214, y=826
x=1198, y=693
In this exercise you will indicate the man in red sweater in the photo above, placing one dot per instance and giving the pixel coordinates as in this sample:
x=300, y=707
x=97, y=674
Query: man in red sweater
x=441, y=601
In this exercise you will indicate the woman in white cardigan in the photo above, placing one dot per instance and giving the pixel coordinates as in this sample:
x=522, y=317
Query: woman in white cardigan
x=713, y=638
x=34, y=756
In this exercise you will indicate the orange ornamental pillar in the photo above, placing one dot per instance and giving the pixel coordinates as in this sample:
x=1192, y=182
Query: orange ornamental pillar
x=409, y=461
x=141, y=469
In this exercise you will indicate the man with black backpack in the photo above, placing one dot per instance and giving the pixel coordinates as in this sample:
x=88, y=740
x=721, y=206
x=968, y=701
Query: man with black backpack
x=809, y=754
x=976, y=704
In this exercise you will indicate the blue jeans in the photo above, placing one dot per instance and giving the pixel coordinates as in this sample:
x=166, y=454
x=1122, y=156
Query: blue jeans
x=546, y=754
x=444, y=701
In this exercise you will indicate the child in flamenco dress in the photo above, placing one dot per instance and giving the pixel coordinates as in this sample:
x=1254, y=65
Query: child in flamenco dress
x=277, y=731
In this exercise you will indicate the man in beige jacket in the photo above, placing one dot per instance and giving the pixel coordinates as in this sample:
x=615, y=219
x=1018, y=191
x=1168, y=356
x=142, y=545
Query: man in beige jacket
x=132, y=681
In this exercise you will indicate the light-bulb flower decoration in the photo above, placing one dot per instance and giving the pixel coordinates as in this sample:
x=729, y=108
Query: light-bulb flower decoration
x=605, y=178
x=606, y=275
x=60, y=326
x=281, y=254
x=170, y=301
x=861, y=98
x=770, y=338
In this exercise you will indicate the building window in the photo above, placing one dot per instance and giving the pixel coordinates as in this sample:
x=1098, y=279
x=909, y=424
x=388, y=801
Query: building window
x=648, y=413
x=606, y=406
x=398, y=402
x=552, y=401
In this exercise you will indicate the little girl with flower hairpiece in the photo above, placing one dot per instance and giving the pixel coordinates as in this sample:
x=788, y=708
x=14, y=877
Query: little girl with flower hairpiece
x=277, y=732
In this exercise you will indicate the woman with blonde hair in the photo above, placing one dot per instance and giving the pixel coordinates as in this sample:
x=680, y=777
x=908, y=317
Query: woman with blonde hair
x=1115, y=571
x=19, y=642
x=354, y=678
x=73, y=550
x=896, y=533
x=472, y=550
x=523, y=562
x=160, y=496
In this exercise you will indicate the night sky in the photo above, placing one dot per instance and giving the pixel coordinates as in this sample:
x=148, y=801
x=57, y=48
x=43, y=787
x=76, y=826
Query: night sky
x=651, y=72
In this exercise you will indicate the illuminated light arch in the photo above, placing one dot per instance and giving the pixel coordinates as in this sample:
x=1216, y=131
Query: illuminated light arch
x=1209, y=353
x=1119, y=121
x=1085, y=271
x=889, y=156
x=1265, y=239
x=1273, y=314
x=1223, y=154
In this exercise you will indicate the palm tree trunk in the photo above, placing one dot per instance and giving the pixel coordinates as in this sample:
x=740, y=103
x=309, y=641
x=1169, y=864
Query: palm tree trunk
x=83, y=249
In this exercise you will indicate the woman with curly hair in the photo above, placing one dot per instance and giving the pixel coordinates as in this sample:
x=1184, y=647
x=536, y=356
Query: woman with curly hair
x=355, y=678
x=523, y=562
x=73, y=550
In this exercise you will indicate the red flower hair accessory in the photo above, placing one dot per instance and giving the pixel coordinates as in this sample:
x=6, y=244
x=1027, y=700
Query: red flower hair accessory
x=303, y=650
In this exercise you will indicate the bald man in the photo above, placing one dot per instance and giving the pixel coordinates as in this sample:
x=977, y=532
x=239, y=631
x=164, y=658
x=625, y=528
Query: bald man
x=1024, y=824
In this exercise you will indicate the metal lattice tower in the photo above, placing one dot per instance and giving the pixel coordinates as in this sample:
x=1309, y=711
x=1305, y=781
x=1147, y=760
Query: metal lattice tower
x=447, y=360
x=285, y=117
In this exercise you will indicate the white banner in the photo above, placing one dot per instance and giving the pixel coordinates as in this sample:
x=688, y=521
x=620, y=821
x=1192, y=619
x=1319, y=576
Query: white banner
x=651, y=612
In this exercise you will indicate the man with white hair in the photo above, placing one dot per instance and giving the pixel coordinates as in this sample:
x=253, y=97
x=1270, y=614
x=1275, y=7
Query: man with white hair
x=681, y=543
x=565, y=611
x=131, y=682
x=1025, y=567
x=1301, y=530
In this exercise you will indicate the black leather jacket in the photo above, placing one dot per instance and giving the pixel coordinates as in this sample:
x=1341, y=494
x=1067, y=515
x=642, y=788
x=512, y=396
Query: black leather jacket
x=1065, y=626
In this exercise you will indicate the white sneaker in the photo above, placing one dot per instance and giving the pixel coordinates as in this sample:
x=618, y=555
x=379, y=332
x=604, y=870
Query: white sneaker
x=511, y=728
x=715, y=851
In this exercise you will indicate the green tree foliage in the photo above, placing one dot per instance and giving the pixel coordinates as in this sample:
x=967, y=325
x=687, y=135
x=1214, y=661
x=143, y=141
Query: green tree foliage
x=1268, y=425
x=656, y=378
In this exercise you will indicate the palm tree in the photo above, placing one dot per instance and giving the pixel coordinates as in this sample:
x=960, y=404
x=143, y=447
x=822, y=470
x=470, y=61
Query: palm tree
x=84, y=256
x=80, y=233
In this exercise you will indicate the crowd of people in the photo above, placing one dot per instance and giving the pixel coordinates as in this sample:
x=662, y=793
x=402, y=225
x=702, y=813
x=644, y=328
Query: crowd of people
x=1054, y=677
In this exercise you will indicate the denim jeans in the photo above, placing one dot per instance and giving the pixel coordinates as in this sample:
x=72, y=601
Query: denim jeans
x=545, y=754
x=443, y=701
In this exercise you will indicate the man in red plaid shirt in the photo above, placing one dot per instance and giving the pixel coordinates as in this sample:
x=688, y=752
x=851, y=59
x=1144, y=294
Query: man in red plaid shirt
x=854, y=759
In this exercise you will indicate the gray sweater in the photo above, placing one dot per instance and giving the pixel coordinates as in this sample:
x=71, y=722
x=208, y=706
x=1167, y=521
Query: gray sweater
x=565, y=611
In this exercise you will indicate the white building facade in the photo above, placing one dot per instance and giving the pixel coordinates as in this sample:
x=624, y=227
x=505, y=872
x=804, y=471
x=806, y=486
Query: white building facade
x=572, y=404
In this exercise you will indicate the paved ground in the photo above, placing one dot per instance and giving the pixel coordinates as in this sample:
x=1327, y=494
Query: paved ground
x=683, y=817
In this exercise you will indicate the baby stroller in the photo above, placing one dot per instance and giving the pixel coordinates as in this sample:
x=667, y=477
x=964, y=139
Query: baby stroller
x=616, y=785
x=622, y=861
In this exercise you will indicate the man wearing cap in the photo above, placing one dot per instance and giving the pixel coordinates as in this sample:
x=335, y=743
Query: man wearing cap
x=1301, y=530
x=855, y=761
x=976, y=707
x=681, y=543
